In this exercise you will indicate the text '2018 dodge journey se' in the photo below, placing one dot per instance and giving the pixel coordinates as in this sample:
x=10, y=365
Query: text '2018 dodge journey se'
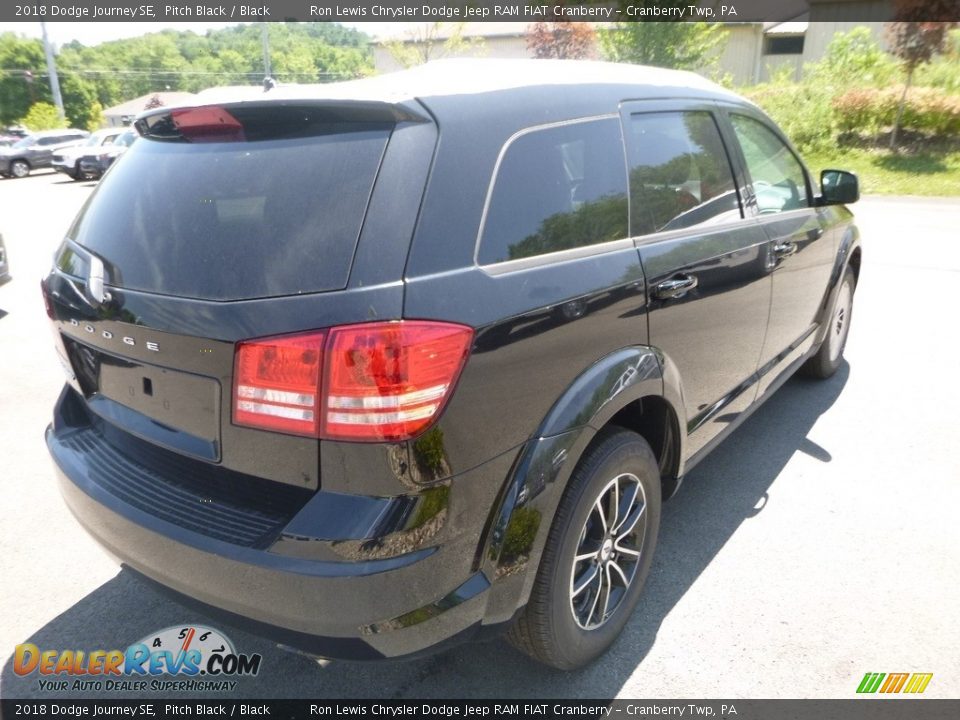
x=381, y=366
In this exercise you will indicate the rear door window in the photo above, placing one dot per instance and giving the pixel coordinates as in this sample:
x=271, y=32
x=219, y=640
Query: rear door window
x=557, y=188
x=237, y=219
x=680, y=174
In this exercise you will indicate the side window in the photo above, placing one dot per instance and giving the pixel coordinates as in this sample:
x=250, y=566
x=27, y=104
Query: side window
x=680, y=174
x=779, y=182
x=557, y=188
x=45, y=141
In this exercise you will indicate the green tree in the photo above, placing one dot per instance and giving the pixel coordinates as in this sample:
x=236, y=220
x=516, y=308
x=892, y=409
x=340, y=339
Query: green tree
x=42, y=116
x=679, y=45
x=169, y=60
x=22, y=76
x=80, y=102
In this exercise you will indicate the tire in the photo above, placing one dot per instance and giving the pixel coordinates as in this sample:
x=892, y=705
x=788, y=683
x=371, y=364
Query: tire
x=19, y=168
x=830, y=354
x=77, y=174
x=562, y=624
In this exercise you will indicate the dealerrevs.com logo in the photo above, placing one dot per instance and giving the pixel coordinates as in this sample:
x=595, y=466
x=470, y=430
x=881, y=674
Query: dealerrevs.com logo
x=202, y=658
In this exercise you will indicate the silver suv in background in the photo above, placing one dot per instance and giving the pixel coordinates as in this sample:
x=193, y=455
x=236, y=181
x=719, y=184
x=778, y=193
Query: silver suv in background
x=67, y=159
x=36, y=151
x=97, y=160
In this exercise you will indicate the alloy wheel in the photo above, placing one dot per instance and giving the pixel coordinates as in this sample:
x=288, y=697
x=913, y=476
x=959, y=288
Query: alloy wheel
x=608, y=552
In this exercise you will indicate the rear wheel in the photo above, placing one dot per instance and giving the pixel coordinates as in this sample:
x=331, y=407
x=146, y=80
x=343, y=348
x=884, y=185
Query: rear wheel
x=77, y=173
x=828, y=358
x=597, y=555
x=19, y=168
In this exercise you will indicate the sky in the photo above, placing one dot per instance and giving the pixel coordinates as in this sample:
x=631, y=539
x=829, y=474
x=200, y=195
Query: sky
x=92, y=33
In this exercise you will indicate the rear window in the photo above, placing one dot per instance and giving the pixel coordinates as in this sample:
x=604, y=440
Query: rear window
x=557, y=188
x=239, y=219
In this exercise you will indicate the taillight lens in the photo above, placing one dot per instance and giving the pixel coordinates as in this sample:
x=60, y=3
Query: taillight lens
x=276, y=383
x=367, y=382
x=387, y=381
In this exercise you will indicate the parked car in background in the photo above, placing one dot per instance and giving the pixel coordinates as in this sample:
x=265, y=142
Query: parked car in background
x=4, y=263
x=67, y=159
x=377, y=392
x=37, y=150
x=95, y=164
x=9, y=135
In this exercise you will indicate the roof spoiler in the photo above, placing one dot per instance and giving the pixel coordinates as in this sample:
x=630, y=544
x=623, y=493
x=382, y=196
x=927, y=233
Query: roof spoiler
x=266, y=119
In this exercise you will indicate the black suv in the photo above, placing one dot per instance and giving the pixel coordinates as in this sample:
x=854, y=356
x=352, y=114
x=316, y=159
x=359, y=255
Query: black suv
x=377, y=367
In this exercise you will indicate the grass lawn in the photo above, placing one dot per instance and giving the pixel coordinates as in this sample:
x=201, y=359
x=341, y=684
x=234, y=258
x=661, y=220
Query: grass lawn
x=882, y=172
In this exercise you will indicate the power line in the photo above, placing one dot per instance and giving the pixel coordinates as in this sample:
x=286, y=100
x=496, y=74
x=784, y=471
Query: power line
x=318, y=73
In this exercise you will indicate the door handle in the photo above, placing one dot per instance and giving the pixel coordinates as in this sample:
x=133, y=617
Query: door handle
x=784, y=249
x=675, y=287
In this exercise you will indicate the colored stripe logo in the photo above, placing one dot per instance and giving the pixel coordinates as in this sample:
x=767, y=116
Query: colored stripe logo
x=914, y=683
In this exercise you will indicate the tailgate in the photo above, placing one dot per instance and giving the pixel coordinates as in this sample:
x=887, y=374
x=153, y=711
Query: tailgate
x=178, y=410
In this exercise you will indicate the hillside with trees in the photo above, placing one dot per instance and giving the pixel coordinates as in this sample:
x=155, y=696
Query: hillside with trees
x=97, y=77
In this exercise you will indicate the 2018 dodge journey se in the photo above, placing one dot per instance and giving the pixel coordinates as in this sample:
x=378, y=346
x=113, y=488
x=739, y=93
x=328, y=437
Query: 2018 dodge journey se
x=377, y=367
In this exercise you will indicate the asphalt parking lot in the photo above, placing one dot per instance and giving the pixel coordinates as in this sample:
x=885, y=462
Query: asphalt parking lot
x=820, y=542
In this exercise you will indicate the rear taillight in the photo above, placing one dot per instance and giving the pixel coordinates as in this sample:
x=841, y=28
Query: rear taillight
x=276, y=383
x=367, y=382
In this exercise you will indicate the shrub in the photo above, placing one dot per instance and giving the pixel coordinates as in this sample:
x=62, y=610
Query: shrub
x=802, y=110
x=42, y=116
x=853, y=58
x=943, y=73
x=868, y=111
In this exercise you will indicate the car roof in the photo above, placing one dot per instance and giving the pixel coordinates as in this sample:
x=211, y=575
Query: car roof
x=469, y=76
x=473, y=82
x=60, y=131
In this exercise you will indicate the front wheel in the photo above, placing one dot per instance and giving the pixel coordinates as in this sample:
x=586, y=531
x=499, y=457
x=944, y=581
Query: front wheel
x=828, y=358
x=19, y=168
x=597, y=556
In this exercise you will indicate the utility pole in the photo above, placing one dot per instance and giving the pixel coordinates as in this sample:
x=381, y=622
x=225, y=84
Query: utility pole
x=266, y=51
x=52, y=69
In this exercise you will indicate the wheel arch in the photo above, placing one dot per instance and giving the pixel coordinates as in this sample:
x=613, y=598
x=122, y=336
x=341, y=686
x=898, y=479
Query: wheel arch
x=637, y=388
x=848, y=255
x=854, y=262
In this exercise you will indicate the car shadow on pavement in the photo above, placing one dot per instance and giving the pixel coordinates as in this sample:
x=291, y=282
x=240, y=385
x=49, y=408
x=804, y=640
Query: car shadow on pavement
x=725, y=490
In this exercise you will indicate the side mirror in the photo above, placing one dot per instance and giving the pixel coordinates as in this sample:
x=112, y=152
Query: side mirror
x=838, y=187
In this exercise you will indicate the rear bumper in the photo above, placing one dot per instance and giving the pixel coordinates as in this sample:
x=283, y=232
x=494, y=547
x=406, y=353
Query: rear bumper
x=394, y=606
